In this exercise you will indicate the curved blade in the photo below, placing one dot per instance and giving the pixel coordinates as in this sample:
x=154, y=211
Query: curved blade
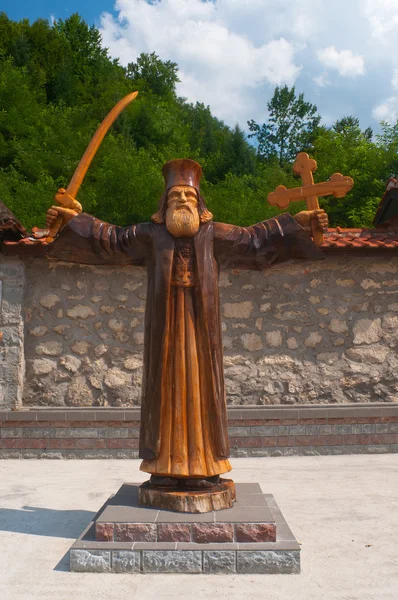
x=95, y=143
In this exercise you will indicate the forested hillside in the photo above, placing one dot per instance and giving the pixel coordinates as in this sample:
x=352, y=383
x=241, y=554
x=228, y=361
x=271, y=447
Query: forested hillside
x=57, y=83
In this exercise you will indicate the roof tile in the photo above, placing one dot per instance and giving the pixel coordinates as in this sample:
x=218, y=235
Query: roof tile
x=360, y=238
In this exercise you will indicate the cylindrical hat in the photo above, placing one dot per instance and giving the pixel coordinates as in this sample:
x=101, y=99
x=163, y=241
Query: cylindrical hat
x=182, y=171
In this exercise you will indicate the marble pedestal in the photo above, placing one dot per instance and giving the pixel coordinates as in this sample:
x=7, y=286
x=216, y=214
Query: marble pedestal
x=250, y=537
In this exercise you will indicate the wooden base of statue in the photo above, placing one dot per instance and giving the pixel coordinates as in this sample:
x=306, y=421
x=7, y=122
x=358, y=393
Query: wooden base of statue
x=221, y=496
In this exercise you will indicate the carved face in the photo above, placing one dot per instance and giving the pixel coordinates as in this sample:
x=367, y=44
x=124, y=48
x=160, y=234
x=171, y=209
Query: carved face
x=182, y=215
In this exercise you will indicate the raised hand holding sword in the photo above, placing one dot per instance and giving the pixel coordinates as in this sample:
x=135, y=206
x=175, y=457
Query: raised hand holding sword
x=59, y=216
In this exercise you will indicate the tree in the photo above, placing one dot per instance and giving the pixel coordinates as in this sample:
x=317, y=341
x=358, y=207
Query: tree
x=349, y=126
x=346, y=149
x=149, y=72
x=291, y=126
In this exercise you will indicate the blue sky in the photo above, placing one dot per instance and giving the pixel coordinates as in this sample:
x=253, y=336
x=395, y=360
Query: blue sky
x=90, y=10
x=231, y=53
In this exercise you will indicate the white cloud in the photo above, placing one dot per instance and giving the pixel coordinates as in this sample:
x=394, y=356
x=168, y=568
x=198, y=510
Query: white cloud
x=394, y=81
x=383, y=18
x=345, y=61
x=219, y=65
x=387, y=110
x=232, y=53
x=322, y=80
x=228, y=77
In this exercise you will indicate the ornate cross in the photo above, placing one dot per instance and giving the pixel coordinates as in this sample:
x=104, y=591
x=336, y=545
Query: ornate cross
x=338, y=186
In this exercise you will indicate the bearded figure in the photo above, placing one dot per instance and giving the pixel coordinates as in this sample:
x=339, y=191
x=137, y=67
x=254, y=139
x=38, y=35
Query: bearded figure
x=184, y=434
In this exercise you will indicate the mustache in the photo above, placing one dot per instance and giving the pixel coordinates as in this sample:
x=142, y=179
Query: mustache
x=186, y=207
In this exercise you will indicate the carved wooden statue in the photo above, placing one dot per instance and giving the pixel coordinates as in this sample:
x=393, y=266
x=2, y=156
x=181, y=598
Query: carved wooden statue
x=184, y=435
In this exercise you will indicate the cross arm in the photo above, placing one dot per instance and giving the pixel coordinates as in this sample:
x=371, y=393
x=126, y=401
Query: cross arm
x=338, y=186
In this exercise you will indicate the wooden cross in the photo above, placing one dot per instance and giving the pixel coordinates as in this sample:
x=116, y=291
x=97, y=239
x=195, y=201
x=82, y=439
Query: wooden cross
x=338, y=186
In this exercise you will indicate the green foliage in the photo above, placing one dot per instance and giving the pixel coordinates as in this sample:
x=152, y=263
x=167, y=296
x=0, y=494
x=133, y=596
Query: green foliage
x=363, y=215
x=57, y=83
x=290, y=127
x=242, y=199
x=346, y=149
x=150, y=73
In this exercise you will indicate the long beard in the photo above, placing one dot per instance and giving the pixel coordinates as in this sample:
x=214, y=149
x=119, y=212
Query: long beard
x=182, y=222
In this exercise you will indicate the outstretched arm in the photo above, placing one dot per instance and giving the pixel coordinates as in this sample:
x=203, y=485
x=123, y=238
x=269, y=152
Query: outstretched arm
x=85, y=239
x=274, y=240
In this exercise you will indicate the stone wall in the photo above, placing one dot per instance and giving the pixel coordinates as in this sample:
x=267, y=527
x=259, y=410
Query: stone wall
x=299, y=333
x=84, y=334
x=12, y=366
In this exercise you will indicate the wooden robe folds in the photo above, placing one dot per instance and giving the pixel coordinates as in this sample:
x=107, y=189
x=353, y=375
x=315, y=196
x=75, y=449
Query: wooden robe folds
x=183, y=414
x=187, y=448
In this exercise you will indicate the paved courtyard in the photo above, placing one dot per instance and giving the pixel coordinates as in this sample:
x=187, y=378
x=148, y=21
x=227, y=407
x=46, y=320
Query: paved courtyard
x=342, y=509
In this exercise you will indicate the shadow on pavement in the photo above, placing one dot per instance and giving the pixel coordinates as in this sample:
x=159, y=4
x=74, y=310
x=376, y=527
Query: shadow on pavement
x=35, y=520
x=64, y=564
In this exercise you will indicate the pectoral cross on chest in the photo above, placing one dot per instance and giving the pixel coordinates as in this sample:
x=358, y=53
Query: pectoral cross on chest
x=184, y=263
x=338, y=186
x=184, y=270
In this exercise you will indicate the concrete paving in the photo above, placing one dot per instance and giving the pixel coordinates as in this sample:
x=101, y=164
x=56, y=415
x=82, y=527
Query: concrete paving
x=342, y=509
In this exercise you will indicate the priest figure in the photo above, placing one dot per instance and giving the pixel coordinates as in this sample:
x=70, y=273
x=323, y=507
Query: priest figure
x=184, y=434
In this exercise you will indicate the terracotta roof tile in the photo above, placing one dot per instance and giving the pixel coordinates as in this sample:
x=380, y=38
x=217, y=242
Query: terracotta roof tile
x=361, y=238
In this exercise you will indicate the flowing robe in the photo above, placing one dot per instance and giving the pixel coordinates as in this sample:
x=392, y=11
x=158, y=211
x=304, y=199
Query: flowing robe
x=88, y=240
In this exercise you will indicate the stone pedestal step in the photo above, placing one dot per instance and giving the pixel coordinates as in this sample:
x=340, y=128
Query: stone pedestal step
x=185, y=561
x=248, y=520
x=251, y=537
x=200, y=533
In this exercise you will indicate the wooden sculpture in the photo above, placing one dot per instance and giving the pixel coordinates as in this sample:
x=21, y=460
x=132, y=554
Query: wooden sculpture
x=184, y=434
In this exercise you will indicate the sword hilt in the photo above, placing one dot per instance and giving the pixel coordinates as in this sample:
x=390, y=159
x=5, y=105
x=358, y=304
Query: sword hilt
x=66, y=201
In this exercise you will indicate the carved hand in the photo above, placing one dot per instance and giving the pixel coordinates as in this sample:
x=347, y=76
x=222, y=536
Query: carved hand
x=57, y=212
x=306, y=217
x=59, y=216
